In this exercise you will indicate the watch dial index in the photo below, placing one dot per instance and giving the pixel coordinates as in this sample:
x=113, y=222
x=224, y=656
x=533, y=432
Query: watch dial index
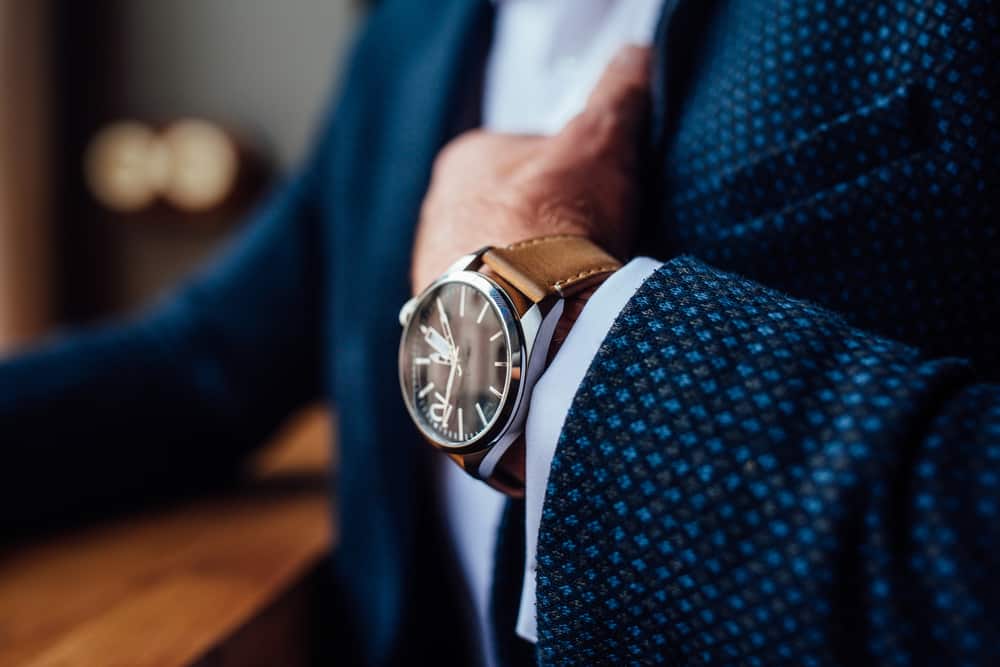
x=455, y=362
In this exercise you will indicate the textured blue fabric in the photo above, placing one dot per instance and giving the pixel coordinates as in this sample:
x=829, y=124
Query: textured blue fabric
x=797, y=461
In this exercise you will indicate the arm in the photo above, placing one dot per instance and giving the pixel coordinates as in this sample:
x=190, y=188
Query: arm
x=178, y=395
x=743, y=470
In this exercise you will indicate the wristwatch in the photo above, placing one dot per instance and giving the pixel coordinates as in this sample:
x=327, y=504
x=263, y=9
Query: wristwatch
x=475, y=341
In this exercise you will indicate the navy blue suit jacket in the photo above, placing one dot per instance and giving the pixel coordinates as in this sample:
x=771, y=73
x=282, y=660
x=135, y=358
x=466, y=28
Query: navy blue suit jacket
x=788, y=448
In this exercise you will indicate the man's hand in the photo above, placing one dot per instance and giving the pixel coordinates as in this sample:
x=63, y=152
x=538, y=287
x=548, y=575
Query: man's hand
x=495, y=189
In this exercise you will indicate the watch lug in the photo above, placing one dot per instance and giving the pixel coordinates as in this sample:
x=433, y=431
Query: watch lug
x=469, y=262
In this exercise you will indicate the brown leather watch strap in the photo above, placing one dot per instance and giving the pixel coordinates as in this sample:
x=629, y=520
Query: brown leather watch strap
x=551, y=265
x=503, y=480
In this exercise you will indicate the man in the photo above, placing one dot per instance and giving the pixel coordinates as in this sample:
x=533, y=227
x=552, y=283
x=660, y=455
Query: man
x=784, y=445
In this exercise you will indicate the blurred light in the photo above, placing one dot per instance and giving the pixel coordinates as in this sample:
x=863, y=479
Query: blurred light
x=192, y=165
x=125, y=166
x=204, y=164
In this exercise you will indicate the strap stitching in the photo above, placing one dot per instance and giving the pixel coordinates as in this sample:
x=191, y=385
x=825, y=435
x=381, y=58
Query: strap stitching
x=543, y=239
x=559, y=284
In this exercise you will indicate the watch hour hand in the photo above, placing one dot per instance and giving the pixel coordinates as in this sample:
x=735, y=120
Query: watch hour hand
x=441, y=346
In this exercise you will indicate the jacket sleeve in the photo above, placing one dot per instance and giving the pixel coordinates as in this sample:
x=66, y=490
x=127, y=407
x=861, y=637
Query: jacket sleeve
x=174, y=397
x=743, y=477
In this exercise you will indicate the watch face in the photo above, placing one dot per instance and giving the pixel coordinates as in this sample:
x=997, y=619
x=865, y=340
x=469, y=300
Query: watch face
x=455, y=362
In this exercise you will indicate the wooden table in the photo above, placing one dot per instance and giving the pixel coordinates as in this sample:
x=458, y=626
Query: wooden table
x=217, y=581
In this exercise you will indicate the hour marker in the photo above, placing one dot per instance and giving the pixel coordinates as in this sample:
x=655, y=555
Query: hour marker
x=499, y=364
x=495, y=336
x=426, y=390
x=422, y=361
x=496, y=392
x=461, y=303
x=482, y=313
x=461, y=428
x=479, y=409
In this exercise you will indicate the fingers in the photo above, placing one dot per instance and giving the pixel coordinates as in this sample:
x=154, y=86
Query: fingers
x=478, y=153
x=616, y=109
x=627, y=74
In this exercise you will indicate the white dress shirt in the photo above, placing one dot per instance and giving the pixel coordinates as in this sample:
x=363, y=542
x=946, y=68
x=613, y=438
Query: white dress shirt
x=546, y=57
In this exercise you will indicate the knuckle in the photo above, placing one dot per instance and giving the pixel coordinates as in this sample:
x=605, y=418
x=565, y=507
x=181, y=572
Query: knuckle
x=454, y=150
x=598, y=127
x=593, y=133
x=599, y=122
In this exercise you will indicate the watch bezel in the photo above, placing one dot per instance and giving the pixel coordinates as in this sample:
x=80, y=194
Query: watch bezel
x=511, y=325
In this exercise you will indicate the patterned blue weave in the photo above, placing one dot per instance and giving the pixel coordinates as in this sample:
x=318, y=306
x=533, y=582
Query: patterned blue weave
x=746, y=477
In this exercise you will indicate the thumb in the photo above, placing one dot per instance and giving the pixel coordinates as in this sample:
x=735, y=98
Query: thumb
x=617, y=106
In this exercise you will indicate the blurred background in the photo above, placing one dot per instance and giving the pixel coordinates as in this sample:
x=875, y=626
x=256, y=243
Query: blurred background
x=135, y=135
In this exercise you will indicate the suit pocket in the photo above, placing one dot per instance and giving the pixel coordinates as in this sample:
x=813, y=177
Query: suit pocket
x=892, y=127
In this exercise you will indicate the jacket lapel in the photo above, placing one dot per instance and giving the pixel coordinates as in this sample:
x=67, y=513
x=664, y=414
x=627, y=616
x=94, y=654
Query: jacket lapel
x=679, y=34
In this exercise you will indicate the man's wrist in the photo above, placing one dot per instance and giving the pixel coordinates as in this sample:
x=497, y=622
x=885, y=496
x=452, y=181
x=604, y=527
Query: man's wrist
x=572, y=307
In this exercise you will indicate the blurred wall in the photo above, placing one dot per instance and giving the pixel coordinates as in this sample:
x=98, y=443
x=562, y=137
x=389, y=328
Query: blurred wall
x=25, y=290
x=264, y=65
x=263, y=68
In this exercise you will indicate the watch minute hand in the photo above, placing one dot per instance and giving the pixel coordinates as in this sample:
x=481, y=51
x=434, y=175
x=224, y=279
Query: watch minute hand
x=445, y=325
x=448, y=387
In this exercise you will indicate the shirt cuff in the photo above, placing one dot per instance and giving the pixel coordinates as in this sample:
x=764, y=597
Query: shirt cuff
x=550, y=402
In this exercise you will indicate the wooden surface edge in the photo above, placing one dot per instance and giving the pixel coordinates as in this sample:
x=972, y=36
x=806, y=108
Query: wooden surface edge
x=170, y=587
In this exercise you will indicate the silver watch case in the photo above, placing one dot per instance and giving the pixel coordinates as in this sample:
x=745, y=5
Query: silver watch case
x=529, y=335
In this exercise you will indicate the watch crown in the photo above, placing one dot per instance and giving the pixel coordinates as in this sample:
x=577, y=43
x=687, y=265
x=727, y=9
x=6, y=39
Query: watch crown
x=406, y=312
